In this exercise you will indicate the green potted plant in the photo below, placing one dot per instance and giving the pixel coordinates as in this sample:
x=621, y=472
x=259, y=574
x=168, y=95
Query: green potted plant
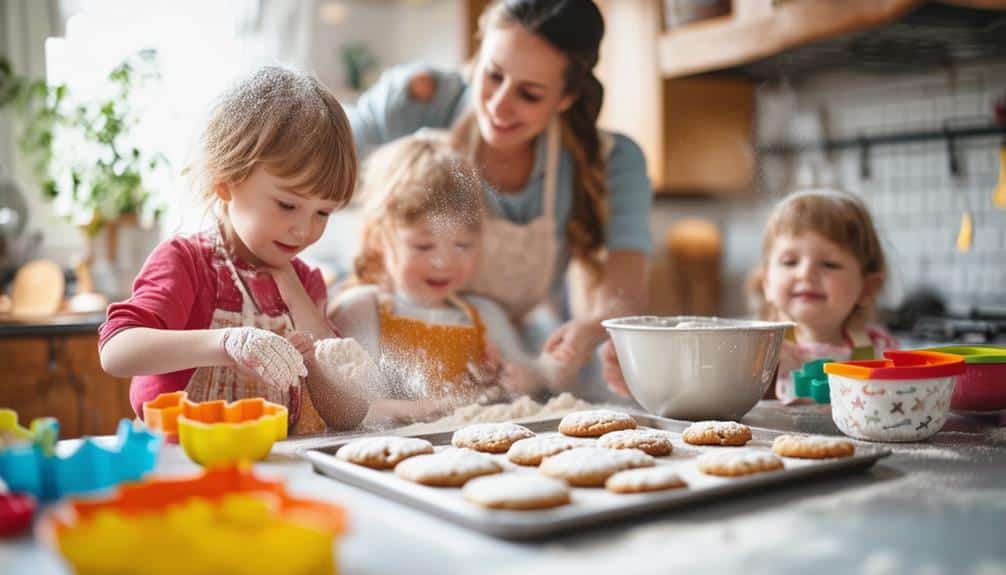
x=89, y=162
x=85, y=154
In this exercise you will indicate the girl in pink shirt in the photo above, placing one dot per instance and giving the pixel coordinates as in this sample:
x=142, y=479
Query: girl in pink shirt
x=232, y=312
x=822, y=267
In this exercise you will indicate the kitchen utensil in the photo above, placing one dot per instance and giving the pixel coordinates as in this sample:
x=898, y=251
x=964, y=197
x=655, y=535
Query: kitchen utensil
x=16, y=512
x=965, y=233
x=34, y=467
x=38, y=289
x=690, y=367
x=999, y=197
x=215, y=433
x=811, y=381
x=904, y=397
x=982, y=386
x=226, y=520
x=86, y=300
x=590, y=506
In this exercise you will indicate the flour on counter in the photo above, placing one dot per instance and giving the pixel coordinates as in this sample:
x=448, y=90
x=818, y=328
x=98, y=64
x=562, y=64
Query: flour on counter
x=521, y=408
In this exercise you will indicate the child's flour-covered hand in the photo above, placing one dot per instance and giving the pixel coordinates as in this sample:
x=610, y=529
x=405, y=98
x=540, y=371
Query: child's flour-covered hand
x=265, y=355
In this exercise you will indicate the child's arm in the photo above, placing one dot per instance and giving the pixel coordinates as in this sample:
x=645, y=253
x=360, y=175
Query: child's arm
x=147, y=351
x=254, y=352
x=339, y=406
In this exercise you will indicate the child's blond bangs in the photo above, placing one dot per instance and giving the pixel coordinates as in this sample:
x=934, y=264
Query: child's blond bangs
x=839, y=217
x=292, y=126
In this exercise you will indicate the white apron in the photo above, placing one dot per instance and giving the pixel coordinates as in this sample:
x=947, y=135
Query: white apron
x=517, y=264
x=218, y=382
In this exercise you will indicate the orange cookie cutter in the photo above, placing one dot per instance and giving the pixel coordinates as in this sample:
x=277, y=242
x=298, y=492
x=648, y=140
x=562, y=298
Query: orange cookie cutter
x=215, y=433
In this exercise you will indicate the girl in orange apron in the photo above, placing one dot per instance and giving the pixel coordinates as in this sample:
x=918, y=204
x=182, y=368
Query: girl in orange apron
x=822, y=268
x=436, y=346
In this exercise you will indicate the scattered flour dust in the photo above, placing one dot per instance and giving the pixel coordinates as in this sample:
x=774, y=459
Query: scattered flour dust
x=344, y=361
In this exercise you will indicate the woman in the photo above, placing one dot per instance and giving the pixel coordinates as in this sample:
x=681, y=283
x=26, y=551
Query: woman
x=561, y=190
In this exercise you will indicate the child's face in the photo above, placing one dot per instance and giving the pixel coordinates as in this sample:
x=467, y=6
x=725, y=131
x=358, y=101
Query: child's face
x=432, y=260
x=272, y=224
x=813, y=281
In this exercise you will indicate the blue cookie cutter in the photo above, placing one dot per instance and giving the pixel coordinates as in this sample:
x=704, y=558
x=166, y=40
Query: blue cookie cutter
x=811, y=381
x=33, y=467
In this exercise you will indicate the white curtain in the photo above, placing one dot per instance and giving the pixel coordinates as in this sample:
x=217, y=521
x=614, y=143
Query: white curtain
x=24, y=26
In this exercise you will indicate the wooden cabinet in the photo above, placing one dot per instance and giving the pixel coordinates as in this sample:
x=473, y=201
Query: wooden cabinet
x=60, y=376
x=696, y=133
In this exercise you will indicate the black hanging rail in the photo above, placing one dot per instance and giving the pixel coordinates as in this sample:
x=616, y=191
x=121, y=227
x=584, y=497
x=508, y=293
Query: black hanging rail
x=868, y=141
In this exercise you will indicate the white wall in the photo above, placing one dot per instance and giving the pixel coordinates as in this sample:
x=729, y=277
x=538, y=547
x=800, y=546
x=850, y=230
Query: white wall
x=395, y=32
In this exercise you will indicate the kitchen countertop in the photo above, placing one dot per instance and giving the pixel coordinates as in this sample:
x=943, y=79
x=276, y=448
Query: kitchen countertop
x=935, y=507
x=55, y=325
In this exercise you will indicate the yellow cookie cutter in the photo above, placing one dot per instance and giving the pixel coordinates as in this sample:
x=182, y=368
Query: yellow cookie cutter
x=223, y=521
x=215, y=433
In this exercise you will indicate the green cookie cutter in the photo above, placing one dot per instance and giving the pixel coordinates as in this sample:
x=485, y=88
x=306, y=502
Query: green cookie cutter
x=811, y=381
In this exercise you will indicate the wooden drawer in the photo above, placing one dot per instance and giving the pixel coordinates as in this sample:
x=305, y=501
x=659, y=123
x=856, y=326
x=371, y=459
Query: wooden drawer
x=60, y=376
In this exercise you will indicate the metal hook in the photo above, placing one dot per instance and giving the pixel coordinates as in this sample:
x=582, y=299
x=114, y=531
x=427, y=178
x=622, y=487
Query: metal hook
x=952, y=159
x=865, y=171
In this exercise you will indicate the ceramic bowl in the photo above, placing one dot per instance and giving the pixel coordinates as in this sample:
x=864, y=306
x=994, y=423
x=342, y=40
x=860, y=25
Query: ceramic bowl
x=688, y=367
x=904, y=397
x=982, y=386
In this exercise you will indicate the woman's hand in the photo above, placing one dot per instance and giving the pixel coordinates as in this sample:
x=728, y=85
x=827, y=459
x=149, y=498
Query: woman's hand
x=611, y=370
x=264, y=355
x=571, y=346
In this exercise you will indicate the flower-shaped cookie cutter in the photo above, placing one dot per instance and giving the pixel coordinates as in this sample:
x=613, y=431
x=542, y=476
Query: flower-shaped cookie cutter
x=215, y=433
x=225, y=520
x=34, y=467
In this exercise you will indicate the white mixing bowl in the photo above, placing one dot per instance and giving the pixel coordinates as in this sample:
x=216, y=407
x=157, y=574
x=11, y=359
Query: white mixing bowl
x=688, y=367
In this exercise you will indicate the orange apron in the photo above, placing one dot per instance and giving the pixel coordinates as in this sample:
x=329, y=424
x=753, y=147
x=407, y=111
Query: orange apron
x=438, y=353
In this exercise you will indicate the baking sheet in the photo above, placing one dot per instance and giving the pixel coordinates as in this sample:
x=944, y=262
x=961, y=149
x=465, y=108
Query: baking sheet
x=590, y=506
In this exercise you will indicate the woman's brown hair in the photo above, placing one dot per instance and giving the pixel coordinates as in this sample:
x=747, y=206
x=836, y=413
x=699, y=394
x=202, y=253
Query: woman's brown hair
x=415, y=177
x=839, y=217
x=575, y=28
x=287, y=122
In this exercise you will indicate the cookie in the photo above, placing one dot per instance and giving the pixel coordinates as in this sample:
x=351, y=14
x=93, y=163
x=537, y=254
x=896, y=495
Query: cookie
x=591, y=466
x=490, y=437
x=518, y=491
x=532, y=450
x=448, y=468
x=595, y=423
x=805, y=447
x=645, y=479
x=717, y=433
x=651, y=441
x=736, y=463
x=382, y=452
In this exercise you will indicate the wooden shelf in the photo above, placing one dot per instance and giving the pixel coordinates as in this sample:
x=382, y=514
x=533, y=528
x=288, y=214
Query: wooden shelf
x=757, y=29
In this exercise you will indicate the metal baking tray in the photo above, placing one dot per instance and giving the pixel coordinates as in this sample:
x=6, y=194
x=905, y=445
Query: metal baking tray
x=590, y=506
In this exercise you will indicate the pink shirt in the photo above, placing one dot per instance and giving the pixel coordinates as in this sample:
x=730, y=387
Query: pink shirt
x=179, y=287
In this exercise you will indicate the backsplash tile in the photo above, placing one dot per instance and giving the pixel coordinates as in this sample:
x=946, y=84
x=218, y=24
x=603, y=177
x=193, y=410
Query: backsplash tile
x=915, y=201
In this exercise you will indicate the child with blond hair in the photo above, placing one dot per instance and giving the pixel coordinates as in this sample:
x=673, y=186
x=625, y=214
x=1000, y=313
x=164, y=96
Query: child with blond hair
x=822, y=267
x=231, y=312
x=437, y=346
